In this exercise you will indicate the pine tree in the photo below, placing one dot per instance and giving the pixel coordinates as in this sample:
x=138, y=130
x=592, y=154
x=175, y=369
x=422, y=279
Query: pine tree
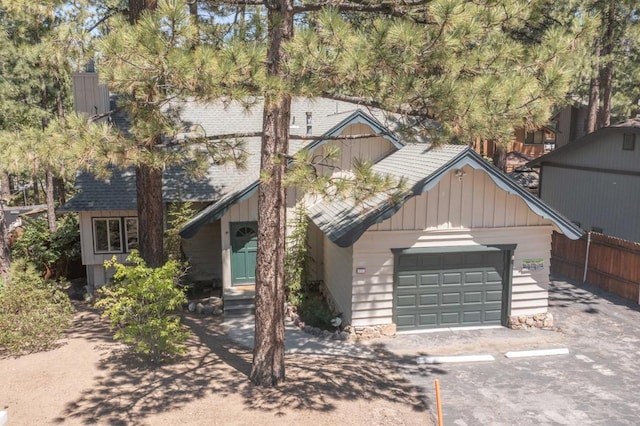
x=458, y=70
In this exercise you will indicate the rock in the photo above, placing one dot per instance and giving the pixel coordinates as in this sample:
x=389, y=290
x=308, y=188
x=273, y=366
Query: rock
x=326, y=333
x=343, y=335
x=217, y=311
x=307, y=329
x=208, y=310
x=199, y=308
x=522, y=319
x=388, y=329
x=539, y=317
x=529, y=321
x=547, y=323
x=215, y=301
x=192, y=307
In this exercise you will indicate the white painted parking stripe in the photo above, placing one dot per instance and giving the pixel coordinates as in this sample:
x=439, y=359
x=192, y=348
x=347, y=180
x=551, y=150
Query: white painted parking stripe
x=538, y=352
x=451, y=359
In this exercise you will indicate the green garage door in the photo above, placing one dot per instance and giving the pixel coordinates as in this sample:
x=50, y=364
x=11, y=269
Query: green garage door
x=455, y=289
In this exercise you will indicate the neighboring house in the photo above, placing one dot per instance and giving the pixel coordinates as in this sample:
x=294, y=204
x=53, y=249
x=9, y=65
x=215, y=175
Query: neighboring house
x=595, y=180
x=566, y=125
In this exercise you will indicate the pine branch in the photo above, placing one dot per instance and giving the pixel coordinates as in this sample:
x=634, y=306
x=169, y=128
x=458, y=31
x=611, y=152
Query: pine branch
x=240, y=135
x=399, y=9
x=424, y=112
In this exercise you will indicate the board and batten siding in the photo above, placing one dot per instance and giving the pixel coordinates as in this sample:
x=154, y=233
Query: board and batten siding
x=468, y=212
x=372, y=149
x=595, y=199
x=96, y=274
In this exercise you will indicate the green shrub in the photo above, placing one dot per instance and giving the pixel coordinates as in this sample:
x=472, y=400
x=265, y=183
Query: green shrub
x=141, y=305
x=49, y=252
x=315, y=311
x=33, y=311
x=297, y=257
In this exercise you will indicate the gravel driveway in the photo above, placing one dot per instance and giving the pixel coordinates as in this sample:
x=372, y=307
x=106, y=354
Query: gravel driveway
x=596, y=383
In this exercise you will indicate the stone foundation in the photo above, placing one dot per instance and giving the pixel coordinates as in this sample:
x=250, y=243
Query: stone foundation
x=543, y=320
x=373, y=332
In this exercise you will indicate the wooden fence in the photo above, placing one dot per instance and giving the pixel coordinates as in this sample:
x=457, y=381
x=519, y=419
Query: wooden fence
x=613, y=264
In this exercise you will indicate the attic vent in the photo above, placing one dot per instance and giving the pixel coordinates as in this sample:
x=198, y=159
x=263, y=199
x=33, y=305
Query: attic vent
x=629, y=142
x=596, y=229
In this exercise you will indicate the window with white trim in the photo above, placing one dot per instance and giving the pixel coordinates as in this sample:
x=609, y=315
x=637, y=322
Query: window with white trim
x=108, y=235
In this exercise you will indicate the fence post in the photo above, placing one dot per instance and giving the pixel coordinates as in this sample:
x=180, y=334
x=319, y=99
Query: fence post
x=586, y=258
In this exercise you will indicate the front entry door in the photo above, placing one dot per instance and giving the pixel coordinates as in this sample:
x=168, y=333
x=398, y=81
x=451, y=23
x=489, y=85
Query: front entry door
x=244, y=244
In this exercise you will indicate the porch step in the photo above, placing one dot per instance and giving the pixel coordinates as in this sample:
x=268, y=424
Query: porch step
x=239, y=306
x=239, y=301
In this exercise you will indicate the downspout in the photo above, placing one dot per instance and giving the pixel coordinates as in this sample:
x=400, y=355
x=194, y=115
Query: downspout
x=586, y=258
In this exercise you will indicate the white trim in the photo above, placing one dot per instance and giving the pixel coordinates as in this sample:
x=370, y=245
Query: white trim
x=453, y=359
x=95, y=240
x=449, y=329
x=537, y=352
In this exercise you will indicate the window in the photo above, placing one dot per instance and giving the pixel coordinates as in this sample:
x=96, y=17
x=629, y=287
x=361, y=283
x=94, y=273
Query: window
x=629, y=142
x=541, y=136
x=108, y=234
x=309, y=123
x=131, y=231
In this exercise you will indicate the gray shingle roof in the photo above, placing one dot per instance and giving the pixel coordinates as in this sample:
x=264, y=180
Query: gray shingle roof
x=422, y=166
x=246, y=186
x=119, y=193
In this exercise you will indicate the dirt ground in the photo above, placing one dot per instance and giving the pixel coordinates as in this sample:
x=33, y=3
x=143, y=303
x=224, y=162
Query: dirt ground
x=90, y=379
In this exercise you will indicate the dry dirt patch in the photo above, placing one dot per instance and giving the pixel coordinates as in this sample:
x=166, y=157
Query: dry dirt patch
x=90, y=379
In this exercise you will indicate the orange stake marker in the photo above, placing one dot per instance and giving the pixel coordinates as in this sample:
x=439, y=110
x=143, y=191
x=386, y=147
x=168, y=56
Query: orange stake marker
x=438, y=403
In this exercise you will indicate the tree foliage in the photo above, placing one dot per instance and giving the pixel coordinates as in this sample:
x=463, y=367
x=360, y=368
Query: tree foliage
x=141, y=305
x=49, y=252
x=34, y=312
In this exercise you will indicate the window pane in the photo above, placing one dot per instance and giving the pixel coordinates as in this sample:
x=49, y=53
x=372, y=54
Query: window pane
x=100, y=235
x=132, y=233
x=115, y=241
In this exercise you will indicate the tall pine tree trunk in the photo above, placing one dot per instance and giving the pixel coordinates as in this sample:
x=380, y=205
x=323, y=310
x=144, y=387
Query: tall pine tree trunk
x=51, y=212
x=594, y=95
x=5, y=186
x=268, y=352
x=606, y=72
x=150, y=217
x=500, y=156
x=148, y=181
x=5, y=253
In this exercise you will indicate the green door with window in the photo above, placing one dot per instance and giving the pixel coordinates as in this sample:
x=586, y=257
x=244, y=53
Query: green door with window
x=244, y=244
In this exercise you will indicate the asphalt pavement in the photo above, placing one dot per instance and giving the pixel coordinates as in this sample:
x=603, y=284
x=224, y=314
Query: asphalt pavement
x=596, y=383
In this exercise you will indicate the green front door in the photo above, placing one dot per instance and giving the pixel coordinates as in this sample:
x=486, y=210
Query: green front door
x=244, y=244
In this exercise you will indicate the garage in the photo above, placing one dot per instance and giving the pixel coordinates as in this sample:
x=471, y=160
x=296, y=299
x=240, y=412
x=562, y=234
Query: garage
x=451, y=288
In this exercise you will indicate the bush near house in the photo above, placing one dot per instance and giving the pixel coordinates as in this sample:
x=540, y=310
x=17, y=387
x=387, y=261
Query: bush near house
x=142, y=305
x=34, y=312
x=301, y=293
x=51, y=253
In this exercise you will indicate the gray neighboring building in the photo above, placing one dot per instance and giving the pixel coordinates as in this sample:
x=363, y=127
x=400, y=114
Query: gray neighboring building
x=595, y=180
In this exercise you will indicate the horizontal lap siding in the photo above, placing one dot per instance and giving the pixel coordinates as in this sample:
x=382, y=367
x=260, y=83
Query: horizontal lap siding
x=467, y=212
x=204, y=253
x=338, y=275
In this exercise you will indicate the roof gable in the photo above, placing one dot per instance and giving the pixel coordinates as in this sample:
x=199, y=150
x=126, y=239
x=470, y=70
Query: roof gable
x=247, y=187
x=423, y=166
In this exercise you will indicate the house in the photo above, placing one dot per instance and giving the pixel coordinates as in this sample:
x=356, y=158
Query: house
x=595, y=180
x=566, y=125
x=465, y=246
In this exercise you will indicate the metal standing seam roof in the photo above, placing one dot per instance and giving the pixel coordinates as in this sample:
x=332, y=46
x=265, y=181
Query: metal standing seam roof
x=246, y=187
x=422, y=166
